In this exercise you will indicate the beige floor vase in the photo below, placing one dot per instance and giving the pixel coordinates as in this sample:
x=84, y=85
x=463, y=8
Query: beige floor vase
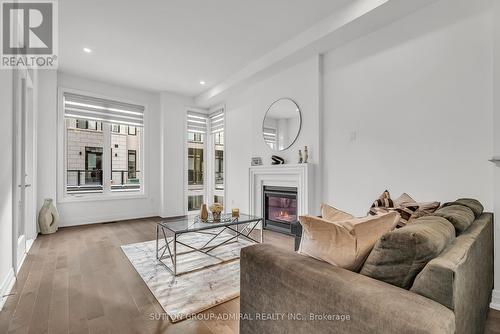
x=48, y=217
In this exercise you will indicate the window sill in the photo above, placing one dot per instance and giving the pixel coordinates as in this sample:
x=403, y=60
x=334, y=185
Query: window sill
x=101, y=197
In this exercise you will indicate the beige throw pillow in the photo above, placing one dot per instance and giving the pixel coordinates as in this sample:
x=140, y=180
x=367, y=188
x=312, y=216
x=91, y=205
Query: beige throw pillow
x=403, y=199
x=332, y=214
x=345, y=243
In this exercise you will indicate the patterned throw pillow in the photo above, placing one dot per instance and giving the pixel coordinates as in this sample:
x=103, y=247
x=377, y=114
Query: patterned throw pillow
x=407, y=207
x=406, y=213
x=384, y=201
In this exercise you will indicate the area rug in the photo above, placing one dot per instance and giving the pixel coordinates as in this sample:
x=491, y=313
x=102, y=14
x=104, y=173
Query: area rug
x=185, y=295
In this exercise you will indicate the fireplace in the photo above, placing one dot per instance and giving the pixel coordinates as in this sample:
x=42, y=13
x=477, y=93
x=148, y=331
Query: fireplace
x=280, y=208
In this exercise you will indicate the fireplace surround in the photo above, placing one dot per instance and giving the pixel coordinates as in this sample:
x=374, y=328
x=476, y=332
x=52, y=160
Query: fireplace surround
x=297, y=176
x=280, y=208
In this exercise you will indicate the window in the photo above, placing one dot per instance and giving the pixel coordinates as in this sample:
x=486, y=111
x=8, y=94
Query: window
x=99, y=146
x=115, y=128
x=217, y=154
x=195, y=169
x=196, y=188
x=219, y=199
x=88, y=125
x=205, y=159
x=93, y=167
x=84, y=150
x=195, y=202
x=125, y=152
x=92, y=125
x=132, y=164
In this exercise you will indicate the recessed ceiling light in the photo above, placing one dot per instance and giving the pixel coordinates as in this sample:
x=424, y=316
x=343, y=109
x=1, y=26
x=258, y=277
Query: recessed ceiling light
x=87, y=50
x=202, y=82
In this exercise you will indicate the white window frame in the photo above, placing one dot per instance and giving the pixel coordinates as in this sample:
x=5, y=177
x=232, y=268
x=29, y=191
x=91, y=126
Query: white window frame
x=107, y=194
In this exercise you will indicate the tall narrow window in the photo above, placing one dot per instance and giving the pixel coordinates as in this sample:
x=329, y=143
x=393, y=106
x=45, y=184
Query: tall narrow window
x=103, y=141
x=217, y=155
x=196, y=143
x=132, y=164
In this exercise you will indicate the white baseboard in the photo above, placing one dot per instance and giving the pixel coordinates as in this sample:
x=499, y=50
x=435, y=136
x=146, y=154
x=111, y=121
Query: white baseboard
x=29, y=243
x=495, y=300
x=106, y=219
x=6, y=287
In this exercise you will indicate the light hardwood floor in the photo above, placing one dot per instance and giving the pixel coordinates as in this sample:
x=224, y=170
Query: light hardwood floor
x=79, y=281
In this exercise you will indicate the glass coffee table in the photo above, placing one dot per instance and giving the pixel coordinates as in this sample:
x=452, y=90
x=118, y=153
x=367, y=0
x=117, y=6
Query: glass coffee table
x=169, y=236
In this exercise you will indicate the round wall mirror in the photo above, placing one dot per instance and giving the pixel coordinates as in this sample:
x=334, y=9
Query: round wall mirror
x=281, y=124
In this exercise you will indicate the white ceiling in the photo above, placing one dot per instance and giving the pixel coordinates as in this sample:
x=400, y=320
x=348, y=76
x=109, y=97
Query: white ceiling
x=170, y=45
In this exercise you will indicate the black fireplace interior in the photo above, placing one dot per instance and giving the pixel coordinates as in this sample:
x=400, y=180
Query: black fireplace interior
x=280, y=208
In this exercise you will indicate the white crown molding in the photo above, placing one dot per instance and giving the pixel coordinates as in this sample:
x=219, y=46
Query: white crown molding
x=495, y=300
x=358, y=18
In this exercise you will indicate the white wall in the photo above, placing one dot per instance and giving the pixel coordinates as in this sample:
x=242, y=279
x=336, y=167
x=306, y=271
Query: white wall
x=47, y=136
x=173, y=140
x=496, y=145
x=417, y=94
x=245, y=113
x=6, y=179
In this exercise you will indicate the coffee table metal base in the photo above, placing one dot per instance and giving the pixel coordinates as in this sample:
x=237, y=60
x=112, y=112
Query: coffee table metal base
x=169, y=250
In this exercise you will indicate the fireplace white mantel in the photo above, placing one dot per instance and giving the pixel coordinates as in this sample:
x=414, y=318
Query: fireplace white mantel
x=300, y=176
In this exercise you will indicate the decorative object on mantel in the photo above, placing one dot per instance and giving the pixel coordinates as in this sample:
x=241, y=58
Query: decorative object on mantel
x=216, y=209
x=281, y=124
x=300, y=157
x=495, y=160
x=306, y=154
x=203, y=212
x=235, y=212
x=48, y=217
x=256, y=161
x=277, y=160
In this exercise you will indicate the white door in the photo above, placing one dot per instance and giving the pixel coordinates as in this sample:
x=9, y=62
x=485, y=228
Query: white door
x=24, y=204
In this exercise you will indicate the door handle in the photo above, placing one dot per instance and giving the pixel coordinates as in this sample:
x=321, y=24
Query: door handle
x=25, y=186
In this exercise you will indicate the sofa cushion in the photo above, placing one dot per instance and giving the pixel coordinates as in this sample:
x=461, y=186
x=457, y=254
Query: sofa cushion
x=333, y=214
x=472, y=204
x=459, y=215
x=345, y=243
x=424, y=208
x=400, y=255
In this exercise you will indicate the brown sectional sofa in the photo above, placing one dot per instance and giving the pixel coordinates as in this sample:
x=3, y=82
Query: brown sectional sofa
x=285, y=292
